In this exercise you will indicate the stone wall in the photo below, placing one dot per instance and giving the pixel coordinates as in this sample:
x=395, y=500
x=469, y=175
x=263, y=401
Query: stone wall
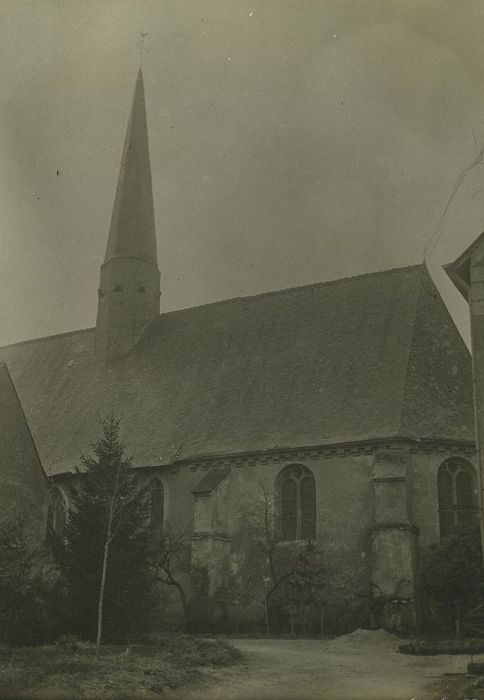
x=376, y=508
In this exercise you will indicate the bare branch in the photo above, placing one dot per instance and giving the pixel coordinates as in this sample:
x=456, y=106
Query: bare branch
x=439, y=229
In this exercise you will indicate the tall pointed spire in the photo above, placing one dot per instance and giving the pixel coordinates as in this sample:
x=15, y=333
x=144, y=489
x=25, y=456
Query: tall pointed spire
x=129, y=289
x=132, y=231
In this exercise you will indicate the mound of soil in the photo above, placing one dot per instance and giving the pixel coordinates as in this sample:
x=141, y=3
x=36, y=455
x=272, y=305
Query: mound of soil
x=361, y=639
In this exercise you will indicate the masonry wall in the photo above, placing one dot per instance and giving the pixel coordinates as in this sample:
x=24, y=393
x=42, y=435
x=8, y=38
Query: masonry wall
x=129, y=295
x=375, y=513
x=344, y=510
x=375, y=508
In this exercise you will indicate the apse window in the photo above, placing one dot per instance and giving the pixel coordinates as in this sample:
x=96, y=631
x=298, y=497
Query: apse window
x=57, y=513
x=457, y=492
x=296, y=491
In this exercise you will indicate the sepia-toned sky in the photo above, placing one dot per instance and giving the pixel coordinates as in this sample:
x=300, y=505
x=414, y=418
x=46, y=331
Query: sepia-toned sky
x=292, y=141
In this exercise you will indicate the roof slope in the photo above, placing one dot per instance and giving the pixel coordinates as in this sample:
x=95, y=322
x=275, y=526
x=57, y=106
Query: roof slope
x=322, y=364
x=19, y=461
x=438, y=390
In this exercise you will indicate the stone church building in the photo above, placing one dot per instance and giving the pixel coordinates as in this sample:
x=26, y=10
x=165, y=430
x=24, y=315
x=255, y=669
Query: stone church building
x=351, y=400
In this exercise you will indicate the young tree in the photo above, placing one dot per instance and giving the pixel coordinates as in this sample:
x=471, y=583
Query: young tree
x=105, y=552
x=452, y=576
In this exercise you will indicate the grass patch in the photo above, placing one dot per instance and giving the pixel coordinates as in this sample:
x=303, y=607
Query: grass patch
x=140, y=671
x=426, y=647
x=463, y=688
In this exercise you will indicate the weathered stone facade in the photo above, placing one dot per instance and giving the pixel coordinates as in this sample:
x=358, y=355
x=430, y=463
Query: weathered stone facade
x=377, y=506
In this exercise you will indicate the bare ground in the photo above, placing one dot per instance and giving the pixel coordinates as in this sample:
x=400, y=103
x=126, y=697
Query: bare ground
x=361, y=666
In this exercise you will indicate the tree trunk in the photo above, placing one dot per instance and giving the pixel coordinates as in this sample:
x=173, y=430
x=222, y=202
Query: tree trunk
x=458, y=622
x=305, y=621
x=109, y=537
x=183, y=600
x=101, y=599
x=170, y=581
x=266, y=615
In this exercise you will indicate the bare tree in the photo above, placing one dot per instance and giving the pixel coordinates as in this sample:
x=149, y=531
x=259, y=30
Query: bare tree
x=172, y=560
x=280, y=562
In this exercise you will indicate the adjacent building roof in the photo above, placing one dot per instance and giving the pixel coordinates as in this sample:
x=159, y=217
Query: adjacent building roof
x=19, y=461
x=459, y=271
x=370, y=357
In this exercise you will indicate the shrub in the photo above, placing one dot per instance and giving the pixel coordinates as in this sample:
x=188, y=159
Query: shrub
x=67, y=642
x=25, y=585
x=451, y=576
x=425, y=647
x=5, y=651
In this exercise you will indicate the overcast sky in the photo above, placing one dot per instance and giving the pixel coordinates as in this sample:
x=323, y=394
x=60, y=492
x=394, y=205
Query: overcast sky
x=292, y=141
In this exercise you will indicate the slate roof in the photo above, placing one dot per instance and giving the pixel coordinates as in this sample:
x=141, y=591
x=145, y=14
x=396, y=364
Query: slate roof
x=459, y=271
x=19, y=460
x=369, y=357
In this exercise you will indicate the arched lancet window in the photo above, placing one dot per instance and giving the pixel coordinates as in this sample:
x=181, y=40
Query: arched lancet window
x=57, y=513
x=456, y=484
x=297, y=503
x=156, y=502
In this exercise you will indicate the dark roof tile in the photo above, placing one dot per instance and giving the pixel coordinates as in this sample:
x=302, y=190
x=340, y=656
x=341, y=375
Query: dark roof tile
x=327, y=363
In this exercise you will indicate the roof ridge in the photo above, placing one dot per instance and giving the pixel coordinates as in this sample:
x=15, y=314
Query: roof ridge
x=231, y=300
x=286, y=290
x=45, y=337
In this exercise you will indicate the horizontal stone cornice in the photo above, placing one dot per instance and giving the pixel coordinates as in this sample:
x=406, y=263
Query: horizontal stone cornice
x=296, y=454
x=379, y=479
x=284, y=455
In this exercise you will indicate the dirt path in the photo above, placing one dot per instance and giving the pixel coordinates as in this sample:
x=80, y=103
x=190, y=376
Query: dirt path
x=363, y=668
